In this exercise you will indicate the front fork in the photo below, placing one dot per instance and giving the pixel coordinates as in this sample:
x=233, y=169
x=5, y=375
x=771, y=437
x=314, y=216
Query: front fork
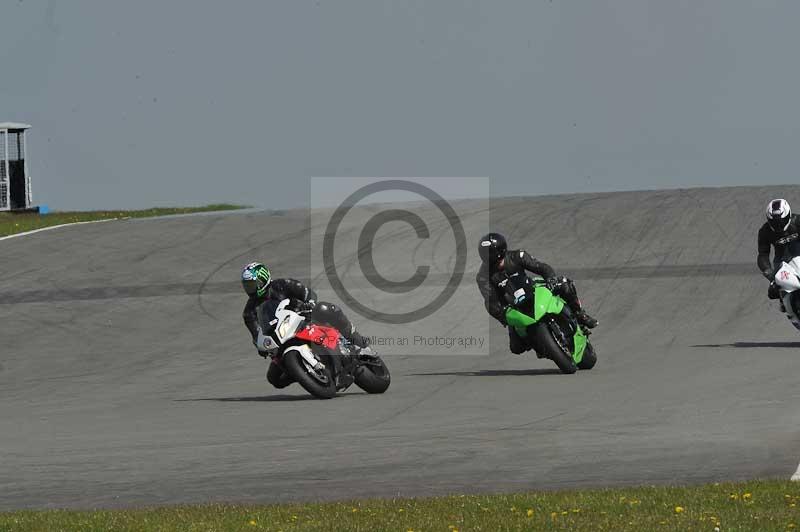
x=579, y=337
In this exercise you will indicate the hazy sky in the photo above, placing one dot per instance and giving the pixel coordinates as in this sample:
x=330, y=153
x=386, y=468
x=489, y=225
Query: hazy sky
x=158, y=102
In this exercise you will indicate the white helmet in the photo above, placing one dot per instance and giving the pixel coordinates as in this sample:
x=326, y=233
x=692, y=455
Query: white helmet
x=779, y=214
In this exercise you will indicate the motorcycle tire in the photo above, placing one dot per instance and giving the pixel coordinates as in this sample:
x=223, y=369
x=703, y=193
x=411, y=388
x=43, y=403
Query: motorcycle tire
x=373, y=377
x=293, y=362
x=547, y=344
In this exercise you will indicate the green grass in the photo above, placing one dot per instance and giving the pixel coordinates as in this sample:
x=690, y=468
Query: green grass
x=758, y=505
x=11, y=223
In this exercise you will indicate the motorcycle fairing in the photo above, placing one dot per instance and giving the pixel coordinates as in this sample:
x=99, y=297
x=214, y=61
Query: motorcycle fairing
x=266, y=343
x=579, y=341
x=308, y=356
x=788, y=280
x=788, y=276
x=288, y=322
x=320, y=335
x=545, y=302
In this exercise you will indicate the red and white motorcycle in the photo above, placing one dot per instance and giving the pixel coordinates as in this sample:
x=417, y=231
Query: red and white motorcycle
x=788, y=281
x=317, y=356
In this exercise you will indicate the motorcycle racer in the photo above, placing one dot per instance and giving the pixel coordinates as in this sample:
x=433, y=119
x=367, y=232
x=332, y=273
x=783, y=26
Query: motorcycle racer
x=261, y=288
x=781, y=231
x=498, y=261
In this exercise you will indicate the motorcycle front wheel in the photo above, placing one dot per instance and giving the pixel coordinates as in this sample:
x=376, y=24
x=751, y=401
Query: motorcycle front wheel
x=319, y=383
x=545, y=342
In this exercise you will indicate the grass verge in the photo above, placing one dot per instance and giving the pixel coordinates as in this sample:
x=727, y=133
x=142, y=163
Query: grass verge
x=12, y=223
x=768, y=505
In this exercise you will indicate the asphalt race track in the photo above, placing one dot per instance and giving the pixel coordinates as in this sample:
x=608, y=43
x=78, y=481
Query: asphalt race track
x=127, y=378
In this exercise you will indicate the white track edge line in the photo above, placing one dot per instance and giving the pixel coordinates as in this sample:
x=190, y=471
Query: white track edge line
x=796, y=476
x=49, y=228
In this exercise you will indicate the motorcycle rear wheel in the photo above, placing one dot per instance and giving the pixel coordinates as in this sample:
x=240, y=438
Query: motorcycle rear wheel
x=373, y=377
x=293, y=362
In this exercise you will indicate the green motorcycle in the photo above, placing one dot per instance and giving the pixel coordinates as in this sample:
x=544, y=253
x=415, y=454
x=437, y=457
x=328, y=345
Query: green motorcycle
x=546, y=323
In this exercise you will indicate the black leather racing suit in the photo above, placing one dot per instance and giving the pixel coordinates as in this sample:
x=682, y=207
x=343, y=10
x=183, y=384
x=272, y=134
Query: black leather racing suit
x=518, y=261
x=324, y=312
x=786, y=244
x=279, y=289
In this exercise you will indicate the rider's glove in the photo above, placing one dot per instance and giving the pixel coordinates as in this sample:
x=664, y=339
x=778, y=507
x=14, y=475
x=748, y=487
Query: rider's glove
x=773, y=292
x=502, y=318
x=769, y=274
x=306, y=306
x=552, y=283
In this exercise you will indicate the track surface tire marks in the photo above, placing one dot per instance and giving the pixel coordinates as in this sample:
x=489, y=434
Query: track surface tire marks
x=132, y=398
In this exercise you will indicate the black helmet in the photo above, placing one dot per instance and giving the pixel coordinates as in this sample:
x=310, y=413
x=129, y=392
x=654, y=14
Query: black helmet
x=492, y=248
x=779, y=214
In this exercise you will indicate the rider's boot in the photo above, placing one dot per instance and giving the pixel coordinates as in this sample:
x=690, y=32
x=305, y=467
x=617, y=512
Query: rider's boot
x=516, y=344
x=566, y=289
x=358, y=340
x=362, y=344
x=585, y=320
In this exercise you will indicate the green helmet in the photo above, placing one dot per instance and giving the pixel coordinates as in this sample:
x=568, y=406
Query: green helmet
x=255, y=279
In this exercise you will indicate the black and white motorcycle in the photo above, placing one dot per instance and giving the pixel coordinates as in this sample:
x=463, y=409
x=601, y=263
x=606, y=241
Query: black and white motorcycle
x=787, y=279
x=317, y=355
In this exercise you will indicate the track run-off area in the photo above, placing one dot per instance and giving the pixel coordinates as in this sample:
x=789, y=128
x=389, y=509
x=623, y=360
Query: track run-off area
x=127, y=377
